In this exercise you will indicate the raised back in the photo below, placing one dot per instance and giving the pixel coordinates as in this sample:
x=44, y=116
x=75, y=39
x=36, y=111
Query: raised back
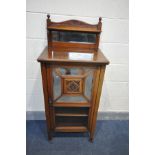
x=73, y=35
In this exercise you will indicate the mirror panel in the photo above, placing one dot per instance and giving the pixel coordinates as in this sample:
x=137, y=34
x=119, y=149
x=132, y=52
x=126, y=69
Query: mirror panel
x=73, y=37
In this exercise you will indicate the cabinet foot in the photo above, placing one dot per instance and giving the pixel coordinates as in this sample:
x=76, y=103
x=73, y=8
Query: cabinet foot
x=91, y=140
x=49, y=136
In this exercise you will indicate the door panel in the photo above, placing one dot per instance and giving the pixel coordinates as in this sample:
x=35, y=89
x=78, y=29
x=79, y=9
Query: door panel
x=72, y=84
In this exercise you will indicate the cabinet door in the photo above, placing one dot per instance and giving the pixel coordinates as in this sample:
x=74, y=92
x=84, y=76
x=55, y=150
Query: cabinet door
x=72, y=85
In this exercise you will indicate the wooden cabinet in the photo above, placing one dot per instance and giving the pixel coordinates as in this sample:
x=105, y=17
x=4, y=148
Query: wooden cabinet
x=72, y=69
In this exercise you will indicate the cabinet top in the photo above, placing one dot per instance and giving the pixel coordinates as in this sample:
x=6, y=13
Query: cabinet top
x=73, y=57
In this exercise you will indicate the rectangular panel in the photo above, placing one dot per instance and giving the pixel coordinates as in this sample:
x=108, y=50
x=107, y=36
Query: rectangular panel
x=73, y=37
x=72, y=46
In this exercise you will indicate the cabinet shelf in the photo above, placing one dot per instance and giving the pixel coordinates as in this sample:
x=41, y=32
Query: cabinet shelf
x=71, y=124
x=68, y=112
x=71, y=129
x=62, y=104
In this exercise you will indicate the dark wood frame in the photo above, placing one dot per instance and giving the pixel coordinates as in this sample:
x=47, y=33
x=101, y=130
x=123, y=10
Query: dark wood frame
x=48, y=64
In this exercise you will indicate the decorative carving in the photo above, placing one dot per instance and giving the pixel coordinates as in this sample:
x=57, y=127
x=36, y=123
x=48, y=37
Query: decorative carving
x=100, y=23
x=100, y=19
x=48, y=16
x=72, y=86
x=73, y=23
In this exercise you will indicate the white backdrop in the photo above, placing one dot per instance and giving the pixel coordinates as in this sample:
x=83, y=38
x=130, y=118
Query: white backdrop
x=114, y=44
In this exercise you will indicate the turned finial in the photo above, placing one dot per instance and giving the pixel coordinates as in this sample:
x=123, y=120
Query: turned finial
x=99, y=23
x=48, y=16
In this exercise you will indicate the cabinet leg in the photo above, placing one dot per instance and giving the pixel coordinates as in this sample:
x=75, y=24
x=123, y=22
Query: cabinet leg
x=49, y=135
x=91, y=137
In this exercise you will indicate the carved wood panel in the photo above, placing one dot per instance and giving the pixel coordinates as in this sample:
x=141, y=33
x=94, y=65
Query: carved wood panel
x=72, y=86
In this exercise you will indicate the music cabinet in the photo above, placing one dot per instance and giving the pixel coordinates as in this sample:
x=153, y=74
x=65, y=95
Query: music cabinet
x=72, y=68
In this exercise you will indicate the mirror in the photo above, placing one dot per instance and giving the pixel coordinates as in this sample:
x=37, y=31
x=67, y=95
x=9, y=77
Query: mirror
x=73, y=37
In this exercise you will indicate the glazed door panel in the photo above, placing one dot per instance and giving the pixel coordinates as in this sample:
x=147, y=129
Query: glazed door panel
x=72, y=84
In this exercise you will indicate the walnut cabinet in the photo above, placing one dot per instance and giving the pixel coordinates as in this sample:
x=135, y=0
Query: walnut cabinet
x=72, y=68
